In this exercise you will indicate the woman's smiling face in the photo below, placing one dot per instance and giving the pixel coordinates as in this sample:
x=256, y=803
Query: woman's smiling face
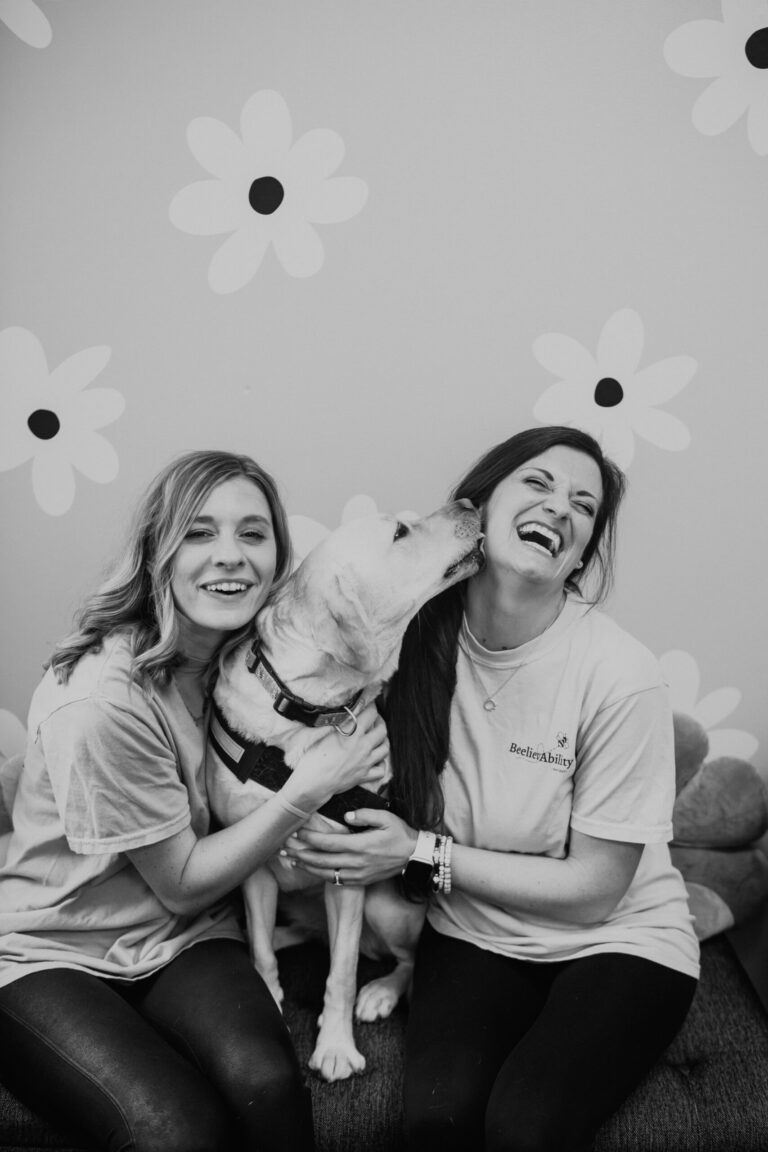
x=224, y=567
x=540, y=518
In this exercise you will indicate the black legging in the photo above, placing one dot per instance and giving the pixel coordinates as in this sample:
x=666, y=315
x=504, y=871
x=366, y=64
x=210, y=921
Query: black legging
x=194, y=1058
x=515, y=1056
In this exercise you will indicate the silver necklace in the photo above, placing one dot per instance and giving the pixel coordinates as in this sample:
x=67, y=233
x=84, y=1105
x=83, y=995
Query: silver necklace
x=489, y=703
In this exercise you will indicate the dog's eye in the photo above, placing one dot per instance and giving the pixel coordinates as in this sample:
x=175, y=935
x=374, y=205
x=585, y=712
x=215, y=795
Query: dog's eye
x=400, y=531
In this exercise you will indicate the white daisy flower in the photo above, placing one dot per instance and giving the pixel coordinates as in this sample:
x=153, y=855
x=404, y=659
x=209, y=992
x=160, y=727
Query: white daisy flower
x=307, y=533
x=13, y=735
x=266, y=191
x=735, y=53
x=51, y=418
x=681, y=673
x=607, y=395
x=28, y=22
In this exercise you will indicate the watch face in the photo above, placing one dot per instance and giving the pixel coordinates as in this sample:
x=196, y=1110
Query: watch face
x=416, y=880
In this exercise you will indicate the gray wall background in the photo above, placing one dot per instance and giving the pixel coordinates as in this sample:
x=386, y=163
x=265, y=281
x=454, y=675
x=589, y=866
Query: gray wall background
x=531, y=168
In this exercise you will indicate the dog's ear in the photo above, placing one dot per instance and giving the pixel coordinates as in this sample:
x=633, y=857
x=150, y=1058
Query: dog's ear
x=343, y=629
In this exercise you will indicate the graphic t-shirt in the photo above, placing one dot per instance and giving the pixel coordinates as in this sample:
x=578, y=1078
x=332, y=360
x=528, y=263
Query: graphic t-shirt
x=581, y=737
x=108, y=768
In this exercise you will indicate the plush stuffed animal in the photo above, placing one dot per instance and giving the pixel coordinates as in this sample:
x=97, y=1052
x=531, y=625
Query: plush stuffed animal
x=720, y=812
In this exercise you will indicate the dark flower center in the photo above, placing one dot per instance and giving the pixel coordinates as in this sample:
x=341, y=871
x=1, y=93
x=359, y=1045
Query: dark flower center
x=44, y=424
x=756, y=48
x=266, y=195
x=608, y=392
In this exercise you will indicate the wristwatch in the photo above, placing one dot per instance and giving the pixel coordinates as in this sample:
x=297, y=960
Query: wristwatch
x=420, y=868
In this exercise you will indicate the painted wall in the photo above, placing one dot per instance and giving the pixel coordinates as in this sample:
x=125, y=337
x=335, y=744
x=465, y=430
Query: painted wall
x=363, y=242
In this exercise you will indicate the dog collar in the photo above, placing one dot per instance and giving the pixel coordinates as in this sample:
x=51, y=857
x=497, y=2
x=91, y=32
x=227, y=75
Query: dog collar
x=342, y=717
x=266, y=766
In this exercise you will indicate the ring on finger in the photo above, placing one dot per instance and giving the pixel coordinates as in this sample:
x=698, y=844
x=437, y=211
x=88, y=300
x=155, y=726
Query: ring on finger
x=337, y=878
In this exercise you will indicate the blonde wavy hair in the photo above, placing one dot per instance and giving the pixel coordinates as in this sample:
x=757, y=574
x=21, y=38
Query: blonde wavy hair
x=136, y=595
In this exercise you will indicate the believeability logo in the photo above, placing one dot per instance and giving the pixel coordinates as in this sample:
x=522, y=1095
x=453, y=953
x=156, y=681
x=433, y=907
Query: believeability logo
x=553, y=757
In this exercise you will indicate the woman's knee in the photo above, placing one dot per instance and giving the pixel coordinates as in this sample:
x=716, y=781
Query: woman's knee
x=194, y=1124
x=526, y=1129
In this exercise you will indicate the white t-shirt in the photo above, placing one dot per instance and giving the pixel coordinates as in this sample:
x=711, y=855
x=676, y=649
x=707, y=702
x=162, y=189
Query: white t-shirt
x=108, y=768
x=581, y=738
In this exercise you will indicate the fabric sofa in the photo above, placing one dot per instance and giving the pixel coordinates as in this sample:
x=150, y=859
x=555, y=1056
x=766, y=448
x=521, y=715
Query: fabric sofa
x=709, y=1093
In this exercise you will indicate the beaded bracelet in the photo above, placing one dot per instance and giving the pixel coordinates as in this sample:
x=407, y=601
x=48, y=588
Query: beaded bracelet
x=441, y=863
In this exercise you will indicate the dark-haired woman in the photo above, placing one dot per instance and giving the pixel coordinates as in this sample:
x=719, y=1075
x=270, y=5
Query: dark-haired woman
x=533, y=755
x=130, y=1012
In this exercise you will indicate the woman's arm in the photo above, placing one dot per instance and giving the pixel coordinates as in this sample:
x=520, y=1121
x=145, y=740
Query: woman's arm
x=583, y=888
x=188, y=873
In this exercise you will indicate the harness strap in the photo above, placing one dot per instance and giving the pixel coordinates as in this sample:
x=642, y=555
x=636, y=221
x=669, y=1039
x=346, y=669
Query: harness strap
x=266, y=765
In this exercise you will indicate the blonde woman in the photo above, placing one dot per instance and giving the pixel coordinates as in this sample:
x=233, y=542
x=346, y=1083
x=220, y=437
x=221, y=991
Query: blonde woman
x=130, y=1014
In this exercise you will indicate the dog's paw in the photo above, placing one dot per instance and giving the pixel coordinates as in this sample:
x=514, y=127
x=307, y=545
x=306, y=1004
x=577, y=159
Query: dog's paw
x=377, y=1000
x=271, y=979
x=336, y=1061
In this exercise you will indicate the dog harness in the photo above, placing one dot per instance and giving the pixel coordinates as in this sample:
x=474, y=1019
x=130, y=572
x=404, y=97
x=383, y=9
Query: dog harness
x=266, y=765
x=342, y=717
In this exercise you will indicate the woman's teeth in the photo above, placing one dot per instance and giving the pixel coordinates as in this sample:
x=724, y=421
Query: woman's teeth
x=228, y=588
x=541, y=537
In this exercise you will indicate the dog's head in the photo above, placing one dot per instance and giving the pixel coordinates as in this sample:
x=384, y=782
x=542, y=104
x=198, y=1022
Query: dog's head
x=358, y=590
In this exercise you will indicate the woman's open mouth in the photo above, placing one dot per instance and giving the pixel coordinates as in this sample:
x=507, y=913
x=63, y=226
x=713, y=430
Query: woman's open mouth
x=541, y=537
x=226, y=588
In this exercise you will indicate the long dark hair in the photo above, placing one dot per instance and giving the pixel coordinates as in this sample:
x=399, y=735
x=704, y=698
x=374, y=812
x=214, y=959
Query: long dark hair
x=419, y=697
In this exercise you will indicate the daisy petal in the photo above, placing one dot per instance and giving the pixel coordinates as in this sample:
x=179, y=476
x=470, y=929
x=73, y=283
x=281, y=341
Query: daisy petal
x=237, y=260
x=76, y=372
x=299, y=249
x=13, y=734
x=96, y=458
x=715, y=706
x=698, y=49
x=681, y=673
x=216, y=147
x=661, y=381
x=53, y=482
x=757, y=126
x=25, y=19
x=618, y=443
x=336, y=200
x=306, y=534
x=563, y=356
x=732, y=742
x=661, y=429
x=16, y=444
x=207, y=208
x=358, y=507
x=316, y=155
x=98, y=407
x=719, y=106
x=560, y=403
x=23, y=364
x=265, y=123
x=621, y=344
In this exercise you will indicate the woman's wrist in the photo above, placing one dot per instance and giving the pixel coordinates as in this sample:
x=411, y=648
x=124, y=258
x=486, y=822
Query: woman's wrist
x=428, y=868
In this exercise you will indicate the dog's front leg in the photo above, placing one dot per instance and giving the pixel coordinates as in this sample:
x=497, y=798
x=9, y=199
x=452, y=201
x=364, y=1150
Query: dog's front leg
x=394, y=925
x=260, y=892
x=336, y=1056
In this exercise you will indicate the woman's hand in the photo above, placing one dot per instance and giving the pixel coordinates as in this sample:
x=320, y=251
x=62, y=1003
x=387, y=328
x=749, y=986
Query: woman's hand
x=336, y=763
x=377, y=854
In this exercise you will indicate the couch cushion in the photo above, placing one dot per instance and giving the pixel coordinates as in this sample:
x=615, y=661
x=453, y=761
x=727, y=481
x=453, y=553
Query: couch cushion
x=708, y=1093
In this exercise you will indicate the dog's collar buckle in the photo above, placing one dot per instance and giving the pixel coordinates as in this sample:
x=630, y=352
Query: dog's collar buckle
x=343, y=718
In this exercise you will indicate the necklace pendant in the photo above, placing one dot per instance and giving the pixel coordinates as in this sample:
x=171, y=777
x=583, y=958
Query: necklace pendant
x=489, y=705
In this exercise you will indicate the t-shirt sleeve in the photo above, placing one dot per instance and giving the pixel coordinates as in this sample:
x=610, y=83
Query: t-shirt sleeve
x=114, y=776
x=624, y=787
